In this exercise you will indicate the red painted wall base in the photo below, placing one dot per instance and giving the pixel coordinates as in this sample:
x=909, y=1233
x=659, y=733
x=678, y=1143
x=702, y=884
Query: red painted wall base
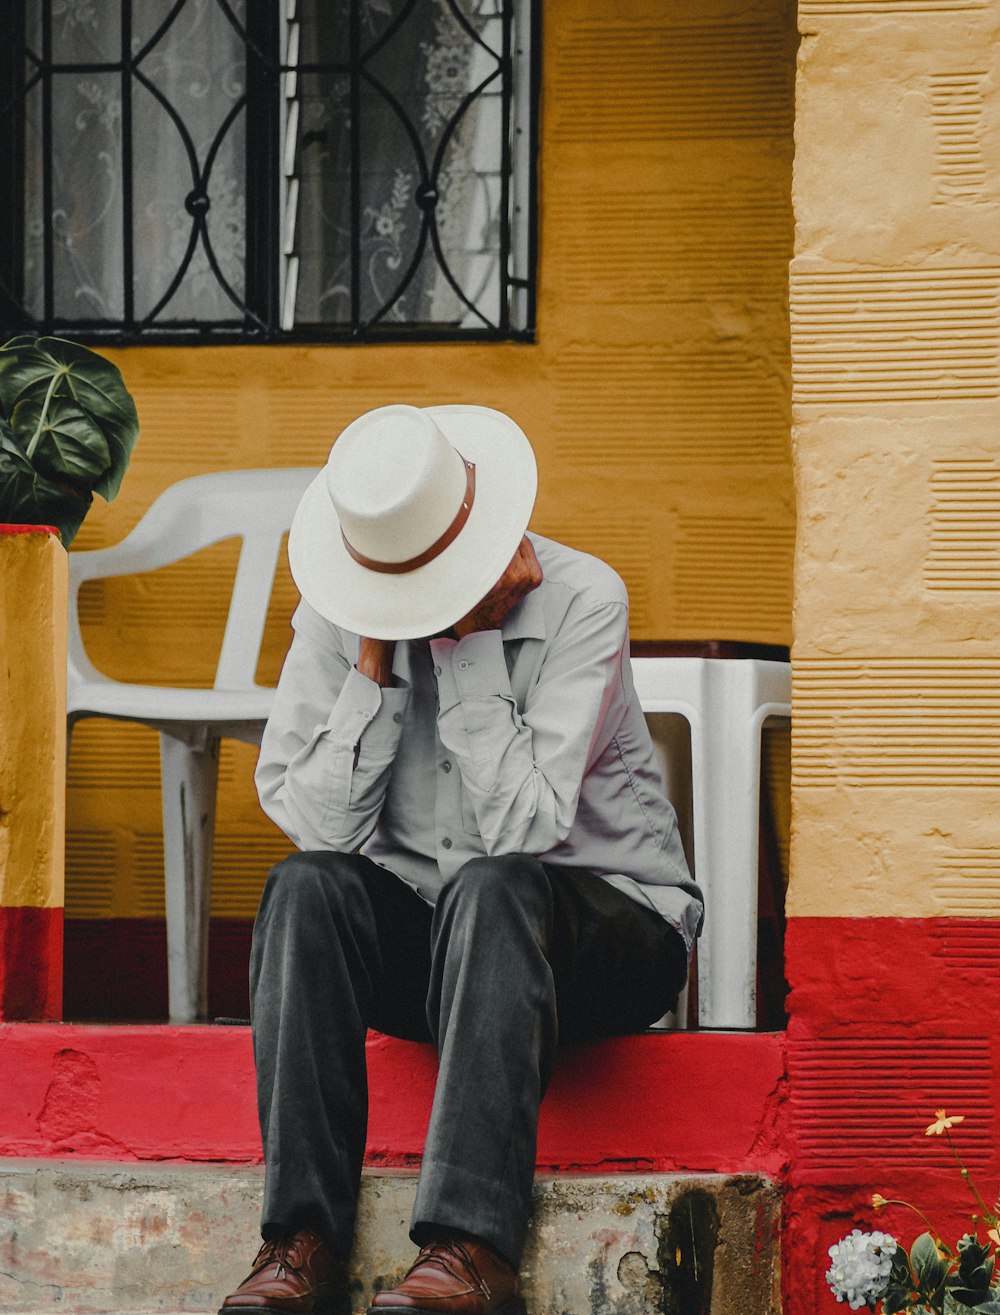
x=31, y=957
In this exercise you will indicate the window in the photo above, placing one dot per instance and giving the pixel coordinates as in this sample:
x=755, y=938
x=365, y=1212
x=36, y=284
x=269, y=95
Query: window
x=268, y=170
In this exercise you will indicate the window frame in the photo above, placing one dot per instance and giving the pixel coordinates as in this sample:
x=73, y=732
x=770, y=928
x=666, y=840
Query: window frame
x=261, y=319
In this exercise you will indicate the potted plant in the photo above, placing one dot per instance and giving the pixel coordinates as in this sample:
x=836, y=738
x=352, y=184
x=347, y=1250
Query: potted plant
x=68, y=426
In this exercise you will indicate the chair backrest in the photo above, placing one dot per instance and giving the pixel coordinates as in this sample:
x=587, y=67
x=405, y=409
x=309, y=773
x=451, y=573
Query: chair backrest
x=254, y=505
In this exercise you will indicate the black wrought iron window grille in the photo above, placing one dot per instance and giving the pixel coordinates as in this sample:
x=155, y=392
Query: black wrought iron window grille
x=268, y=170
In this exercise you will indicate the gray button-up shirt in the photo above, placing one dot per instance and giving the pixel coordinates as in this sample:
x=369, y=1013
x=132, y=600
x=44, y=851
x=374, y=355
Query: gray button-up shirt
x=528, y=739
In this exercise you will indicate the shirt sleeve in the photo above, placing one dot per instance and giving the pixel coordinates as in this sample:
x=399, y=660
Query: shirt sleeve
x=523, y=768
x=329, y=744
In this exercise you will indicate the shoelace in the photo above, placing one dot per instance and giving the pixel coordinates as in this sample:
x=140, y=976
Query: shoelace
x=284, y=1253
x=451, y=1249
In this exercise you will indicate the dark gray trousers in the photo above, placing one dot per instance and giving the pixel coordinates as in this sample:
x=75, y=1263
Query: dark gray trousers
x=514, y=956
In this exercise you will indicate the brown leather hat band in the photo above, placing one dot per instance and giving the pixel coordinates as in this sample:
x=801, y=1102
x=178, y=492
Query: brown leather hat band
x=436, y=548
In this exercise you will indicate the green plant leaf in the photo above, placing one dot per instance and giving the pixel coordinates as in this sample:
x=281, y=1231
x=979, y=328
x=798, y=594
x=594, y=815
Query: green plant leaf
x=26, y=498
x=53, y=372
x=67, y=444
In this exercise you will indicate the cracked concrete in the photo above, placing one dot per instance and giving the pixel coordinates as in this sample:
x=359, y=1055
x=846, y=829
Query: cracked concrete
x=86, y=1238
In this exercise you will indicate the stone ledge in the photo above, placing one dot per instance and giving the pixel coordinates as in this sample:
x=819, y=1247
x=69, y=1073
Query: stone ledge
x=91, y=1237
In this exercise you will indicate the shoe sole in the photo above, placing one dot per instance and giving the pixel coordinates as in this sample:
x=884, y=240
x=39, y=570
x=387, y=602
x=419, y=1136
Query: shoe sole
x=331, y=1306
x=515, y=1306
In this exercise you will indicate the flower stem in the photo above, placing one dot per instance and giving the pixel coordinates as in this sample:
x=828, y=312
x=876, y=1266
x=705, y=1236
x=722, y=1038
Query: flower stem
x=966, y=1175
x=938, y=1241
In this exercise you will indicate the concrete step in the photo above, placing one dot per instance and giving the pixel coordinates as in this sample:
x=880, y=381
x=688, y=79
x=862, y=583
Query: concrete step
x=169, y=1239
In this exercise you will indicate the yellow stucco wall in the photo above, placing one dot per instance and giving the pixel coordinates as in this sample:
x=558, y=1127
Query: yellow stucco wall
x=657, y=397
x=895, y=312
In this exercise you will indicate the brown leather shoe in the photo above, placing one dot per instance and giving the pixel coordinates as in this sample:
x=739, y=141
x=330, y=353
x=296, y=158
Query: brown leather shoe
x=296, y=1276
x=454, y=1277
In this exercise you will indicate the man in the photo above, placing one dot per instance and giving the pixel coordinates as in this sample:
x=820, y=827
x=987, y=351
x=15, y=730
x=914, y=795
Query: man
x=486, y=856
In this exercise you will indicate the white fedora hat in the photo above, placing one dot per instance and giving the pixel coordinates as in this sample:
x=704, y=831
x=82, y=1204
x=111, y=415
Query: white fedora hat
x=414, y=518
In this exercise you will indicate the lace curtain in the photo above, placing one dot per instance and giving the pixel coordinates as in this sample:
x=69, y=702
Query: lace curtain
x=392, y=216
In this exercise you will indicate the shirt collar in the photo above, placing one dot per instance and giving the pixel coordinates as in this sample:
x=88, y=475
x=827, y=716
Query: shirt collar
x=527, y=619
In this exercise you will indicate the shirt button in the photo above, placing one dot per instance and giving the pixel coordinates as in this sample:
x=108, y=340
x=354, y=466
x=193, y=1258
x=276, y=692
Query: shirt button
x=437, y=671
x=397, y=716
x=463, y=665
x=446, y=766
x=446, y=843
x=366, y=716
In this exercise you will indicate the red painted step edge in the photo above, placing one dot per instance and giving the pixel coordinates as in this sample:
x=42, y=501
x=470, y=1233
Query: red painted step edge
x=659, y=1102
x=27, y=529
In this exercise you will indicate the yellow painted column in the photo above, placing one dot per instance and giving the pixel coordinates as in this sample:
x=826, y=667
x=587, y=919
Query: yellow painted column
x=893, y=941
x=33, y=600
x=895, y=310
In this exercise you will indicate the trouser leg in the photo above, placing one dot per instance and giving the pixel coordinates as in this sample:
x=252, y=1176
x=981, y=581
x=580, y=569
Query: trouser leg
x=492, y=1012
x=338, y=943
x=520, y=951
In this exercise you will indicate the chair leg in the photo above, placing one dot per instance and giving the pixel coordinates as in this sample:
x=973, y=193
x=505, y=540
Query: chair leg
x=727, y=790
x=670, y=733
x=190, y=772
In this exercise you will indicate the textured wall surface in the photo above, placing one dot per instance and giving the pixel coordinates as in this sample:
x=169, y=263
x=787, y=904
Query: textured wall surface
x=895, y=340
x=657, y=396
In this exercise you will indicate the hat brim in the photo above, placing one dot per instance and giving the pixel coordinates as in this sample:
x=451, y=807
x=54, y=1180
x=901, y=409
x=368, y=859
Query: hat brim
x=434, y=596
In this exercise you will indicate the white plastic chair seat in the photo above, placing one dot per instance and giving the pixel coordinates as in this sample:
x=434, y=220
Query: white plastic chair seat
x=257, y=507
x=159, y=703
x=726, y=702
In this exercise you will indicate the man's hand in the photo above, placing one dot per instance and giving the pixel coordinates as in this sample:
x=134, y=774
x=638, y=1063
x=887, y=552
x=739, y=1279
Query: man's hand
x=375, y=660
x=521, y=576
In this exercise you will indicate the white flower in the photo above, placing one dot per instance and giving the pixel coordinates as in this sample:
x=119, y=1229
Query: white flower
x=860, y=1267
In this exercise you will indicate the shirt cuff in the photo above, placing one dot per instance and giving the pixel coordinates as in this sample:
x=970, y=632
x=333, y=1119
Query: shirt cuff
x=473, y=667
x=365, y=706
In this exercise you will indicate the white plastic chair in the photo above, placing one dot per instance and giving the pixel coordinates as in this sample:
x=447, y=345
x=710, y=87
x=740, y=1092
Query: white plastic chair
x=256, y=506
x=726, y=702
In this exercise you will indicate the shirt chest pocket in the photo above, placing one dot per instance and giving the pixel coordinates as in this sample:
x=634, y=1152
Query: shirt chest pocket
x=454, y=806
x=467, y=810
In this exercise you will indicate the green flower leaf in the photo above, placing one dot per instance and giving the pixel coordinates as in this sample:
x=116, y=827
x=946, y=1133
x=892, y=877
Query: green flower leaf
x=900, y=1286
x=896, y=1298
x=929, y=1270
x=971, y=1284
